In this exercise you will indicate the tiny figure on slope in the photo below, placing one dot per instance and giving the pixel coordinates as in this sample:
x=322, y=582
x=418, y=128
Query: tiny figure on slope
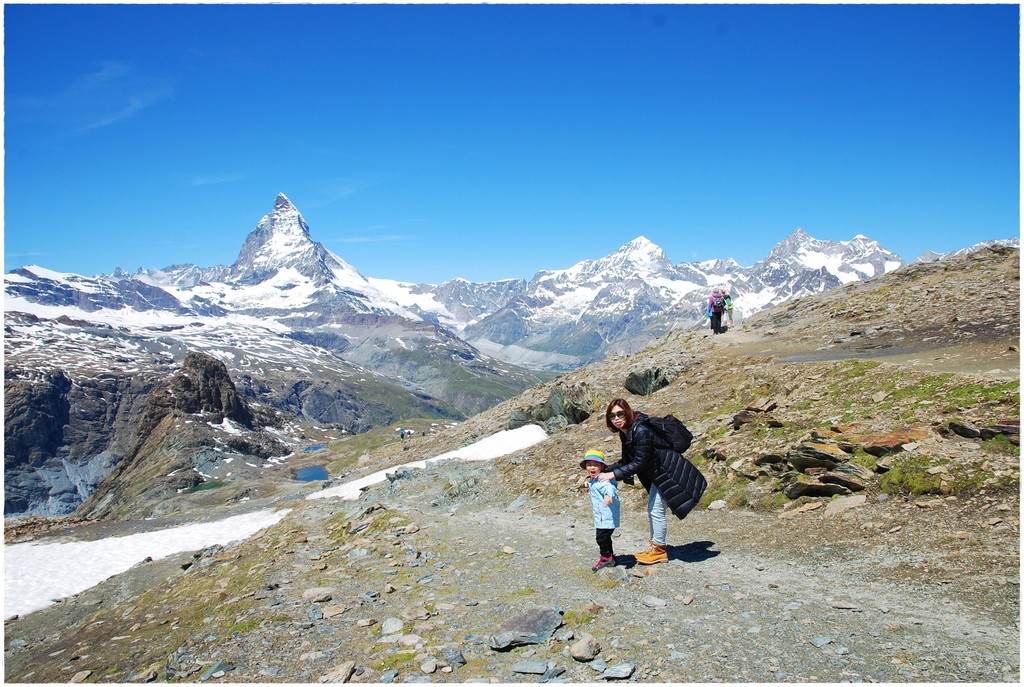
x=716, y=306
x=604, y=499
x=671, y=480
x=728, y=310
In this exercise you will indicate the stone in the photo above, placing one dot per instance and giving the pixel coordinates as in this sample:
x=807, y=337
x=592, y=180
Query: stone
x=762, y=405
x=619, y=671
x=552, y=672
x=845, y=480
x=453, y=657
x=653, y=602
x=646, y=382
x=585, y=649
x=802, y=485
x=964, y=429
x=391, y=626
x=532, y=627
x=218, y=667
x=339, y=673
x=845, y=606
x=816, y=455
x=331, y=611
x=80, y=676
x=858, y=471
x=744, y=417
x=530, y=667
x=880, y=445
x=837, y=506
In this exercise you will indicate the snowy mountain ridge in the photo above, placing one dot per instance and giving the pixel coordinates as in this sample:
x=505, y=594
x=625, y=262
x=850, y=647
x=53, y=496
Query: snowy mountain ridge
x=302, y=331
x=557, y=320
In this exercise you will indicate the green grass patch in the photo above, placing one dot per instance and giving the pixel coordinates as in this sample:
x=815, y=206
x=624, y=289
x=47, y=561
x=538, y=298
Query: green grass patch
x=577, y=618
x=518, y=594
x=775, y=501
x=1001, y=445
x=864, y=459
x=247, y=625
x=396, y=661
x=911, y=476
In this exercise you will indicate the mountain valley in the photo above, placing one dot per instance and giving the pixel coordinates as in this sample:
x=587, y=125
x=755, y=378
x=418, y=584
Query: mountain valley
x=861, y=523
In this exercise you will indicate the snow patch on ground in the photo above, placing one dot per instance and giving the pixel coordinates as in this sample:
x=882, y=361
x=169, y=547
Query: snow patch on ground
x=494, y=446
x=35, y=575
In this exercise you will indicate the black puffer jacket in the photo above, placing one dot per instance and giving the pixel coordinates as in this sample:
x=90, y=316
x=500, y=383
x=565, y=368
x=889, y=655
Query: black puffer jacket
x=653, y=461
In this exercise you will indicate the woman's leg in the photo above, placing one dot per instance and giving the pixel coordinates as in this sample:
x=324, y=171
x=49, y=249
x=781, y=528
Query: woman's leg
x=656, y=514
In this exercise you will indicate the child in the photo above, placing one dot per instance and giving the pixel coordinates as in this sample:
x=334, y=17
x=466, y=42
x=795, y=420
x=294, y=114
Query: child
x=604, y=498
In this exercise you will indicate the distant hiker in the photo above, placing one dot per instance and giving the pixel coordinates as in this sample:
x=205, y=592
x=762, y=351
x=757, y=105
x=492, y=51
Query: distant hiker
x=728, y=309
x=716, y=306
x=670, y=479
x=604, y=500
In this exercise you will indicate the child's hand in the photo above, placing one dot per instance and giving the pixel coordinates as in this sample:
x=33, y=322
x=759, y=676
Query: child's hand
x=607, y=500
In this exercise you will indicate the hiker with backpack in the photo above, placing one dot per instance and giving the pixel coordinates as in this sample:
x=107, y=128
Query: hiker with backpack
x=716, y=306
x=728, y=309
x=672, y=482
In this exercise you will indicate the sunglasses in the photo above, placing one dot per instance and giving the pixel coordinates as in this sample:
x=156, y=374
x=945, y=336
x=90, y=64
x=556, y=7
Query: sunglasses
x=617, y=414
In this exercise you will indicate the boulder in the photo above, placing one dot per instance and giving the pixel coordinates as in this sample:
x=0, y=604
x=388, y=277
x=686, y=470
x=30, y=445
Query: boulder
x=816, y=455
x=964, y=429
x=846, y=480
x=585, y=649
x=744, y=417
x=802, y=485
x=532, y=627
x=646, y=382
x=568, y=405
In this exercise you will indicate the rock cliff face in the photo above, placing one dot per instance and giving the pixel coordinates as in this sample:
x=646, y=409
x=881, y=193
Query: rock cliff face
x=61, y=438
x=191, y=431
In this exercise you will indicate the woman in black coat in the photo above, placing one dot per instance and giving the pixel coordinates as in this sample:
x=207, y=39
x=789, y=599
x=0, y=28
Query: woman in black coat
x=671, y=481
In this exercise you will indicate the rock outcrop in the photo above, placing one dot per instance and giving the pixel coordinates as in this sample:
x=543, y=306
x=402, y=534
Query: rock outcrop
x=62, y=436
x=190, y=432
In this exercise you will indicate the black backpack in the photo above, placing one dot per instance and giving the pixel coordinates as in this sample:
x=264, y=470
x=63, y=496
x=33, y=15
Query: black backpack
x=672, y=431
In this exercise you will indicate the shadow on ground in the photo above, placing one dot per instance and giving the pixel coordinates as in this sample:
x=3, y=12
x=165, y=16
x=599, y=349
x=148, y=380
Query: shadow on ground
x=694, y=552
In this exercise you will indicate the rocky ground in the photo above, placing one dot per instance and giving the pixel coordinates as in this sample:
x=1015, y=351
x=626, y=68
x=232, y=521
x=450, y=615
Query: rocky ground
x=912, y=576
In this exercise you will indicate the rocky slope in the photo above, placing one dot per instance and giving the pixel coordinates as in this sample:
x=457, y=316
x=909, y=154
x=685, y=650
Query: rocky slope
x=910, y=575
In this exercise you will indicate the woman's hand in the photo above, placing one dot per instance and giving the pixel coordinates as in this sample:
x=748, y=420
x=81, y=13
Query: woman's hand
x=606, y=476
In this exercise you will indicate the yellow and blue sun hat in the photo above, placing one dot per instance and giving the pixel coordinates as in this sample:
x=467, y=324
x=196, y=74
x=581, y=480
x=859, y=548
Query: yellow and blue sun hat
x=593, y=455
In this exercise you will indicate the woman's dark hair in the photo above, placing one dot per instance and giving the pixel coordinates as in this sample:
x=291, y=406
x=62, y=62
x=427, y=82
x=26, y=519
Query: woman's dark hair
x=624, y=404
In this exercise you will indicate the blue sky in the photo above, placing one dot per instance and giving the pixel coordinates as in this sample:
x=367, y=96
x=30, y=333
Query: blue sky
x=424, y=143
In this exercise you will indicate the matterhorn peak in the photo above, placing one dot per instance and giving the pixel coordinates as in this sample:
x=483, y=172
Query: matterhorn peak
x=282, y=203
x=281, y=240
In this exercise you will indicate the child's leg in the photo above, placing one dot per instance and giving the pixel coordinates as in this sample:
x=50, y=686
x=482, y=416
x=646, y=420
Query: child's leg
x=604, y=542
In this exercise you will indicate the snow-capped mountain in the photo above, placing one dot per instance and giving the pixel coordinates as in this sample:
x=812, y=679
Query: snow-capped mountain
x=932, y=256
x=569, y=317
x=303, y=331
x=297, y=327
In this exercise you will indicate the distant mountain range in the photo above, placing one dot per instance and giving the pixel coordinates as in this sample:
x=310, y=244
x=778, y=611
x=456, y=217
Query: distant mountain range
x=301, y=330
x=298, y=289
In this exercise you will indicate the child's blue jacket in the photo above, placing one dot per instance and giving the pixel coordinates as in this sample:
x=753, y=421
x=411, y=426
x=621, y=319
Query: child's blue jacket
x=605, y=517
